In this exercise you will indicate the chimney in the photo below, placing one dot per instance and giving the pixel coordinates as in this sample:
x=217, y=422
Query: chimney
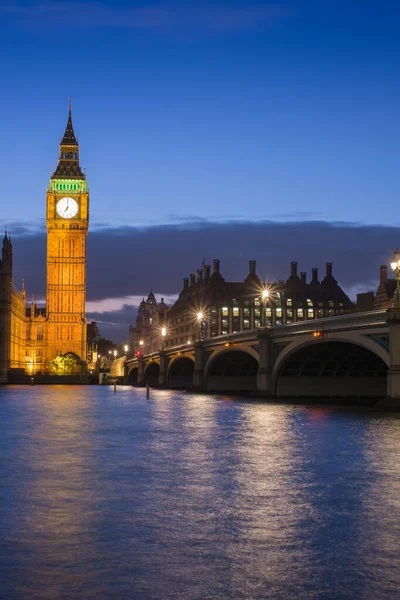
x=207, y=271
x=216, y=266
x=383, y=274
x=303, y=277
x=192, y=279
x=199, y=275
x=314, y=275
x=293, y=269
x=252, y=267
x=185, y=283
x=328, y=269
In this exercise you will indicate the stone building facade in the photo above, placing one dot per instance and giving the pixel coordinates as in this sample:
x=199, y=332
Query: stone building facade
x=12, y=316
x=31, y=337
x=151, y=318
x=385, y=294
x=231, y=307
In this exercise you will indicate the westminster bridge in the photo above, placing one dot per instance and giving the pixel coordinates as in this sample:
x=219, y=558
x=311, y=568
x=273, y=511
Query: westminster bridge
x=355, y=354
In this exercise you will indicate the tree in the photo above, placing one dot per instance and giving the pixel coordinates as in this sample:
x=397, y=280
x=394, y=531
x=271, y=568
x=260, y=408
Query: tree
x=105, y=345
x=68, y=364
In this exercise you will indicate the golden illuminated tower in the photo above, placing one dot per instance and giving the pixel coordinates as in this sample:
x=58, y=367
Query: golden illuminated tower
x=67, y=220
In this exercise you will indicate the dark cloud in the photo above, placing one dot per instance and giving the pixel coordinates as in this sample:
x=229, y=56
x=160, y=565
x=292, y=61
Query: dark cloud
x=130, y=261
x=156, y=15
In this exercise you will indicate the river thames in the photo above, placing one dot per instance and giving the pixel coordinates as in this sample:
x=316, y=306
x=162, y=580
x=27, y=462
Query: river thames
x=192, y=497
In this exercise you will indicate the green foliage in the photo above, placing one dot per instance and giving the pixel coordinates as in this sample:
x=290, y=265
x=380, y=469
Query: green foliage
x=68, y=364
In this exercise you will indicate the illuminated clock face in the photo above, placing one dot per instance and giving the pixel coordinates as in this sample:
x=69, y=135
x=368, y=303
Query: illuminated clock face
x=67, y=208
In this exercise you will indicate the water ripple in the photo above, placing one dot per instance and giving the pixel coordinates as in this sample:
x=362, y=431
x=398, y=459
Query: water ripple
x=194, y=497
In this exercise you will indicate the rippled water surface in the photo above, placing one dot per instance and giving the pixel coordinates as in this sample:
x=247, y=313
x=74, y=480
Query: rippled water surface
x=107, y=495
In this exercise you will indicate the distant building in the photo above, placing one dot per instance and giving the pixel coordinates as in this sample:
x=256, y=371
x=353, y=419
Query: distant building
x=385, y=294
x=230, y=307
x=12, y=316
x=152, y=316
x=30, y=338
x=93, y=337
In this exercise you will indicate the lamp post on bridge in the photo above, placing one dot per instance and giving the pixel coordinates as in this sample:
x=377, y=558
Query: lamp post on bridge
x=264, y=297
x=163, y=336
x=126, y=348
x=395, y=265
x=200, y=317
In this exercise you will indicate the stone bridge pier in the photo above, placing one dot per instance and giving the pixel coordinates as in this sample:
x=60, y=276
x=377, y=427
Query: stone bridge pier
x=393, y=376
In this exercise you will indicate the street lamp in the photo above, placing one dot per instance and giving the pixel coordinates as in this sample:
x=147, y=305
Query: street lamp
x=163, y=335
x=395, y=265
x=115, y=354
x=126, y=348
x=264, y=297
x=200, y=317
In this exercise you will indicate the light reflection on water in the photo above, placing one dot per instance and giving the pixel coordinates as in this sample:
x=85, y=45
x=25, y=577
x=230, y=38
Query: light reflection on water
x=109, y=495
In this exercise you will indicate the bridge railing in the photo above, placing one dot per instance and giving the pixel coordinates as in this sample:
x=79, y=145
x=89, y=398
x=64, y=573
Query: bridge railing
x=373, y=318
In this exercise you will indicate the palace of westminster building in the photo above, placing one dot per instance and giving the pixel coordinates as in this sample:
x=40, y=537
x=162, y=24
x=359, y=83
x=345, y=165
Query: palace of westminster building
x=31, y=337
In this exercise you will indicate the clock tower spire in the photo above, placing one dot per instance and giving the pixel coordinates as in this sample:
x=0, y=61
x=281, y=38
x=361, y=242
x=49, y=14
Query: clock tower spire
x=67, y=221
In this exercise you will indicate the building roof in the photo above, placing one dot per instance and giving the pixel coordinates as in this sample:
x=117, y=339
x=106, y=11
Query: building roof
x=69, y=138
x=68, y=164
x=215, y=291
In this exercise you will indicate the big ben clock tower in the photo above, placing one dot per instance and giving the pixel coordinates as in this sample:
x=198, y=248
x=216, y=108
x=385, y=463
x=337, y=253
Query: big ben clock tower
x=67, y=220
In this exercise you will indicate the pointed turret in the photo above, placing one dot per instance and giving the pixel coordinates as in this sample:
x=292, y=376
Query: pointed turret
x=7, y=255
x=68, y=162
x=69, y=138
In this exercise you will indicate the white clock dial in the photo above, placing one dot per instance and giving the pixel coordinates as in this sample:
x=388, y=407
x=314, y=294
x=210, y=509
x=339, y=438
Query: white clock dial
x=67, y=208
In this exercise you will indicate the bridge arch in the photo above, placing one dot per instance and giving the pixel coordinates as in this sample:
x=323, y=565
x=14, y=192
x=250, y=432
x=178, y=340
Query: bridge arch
x=151, y=373
x=133, y=376
x=231, y=370
x=335, y=367
x=180, y=372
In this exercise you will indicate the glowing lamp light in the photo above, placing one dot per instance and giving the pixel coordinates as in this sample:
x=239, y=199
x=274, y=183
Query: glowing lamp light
x=163, y=331
x=265, y=294
x=141, y=342
x=200, y=316
x=395, y=264
x=126, y=348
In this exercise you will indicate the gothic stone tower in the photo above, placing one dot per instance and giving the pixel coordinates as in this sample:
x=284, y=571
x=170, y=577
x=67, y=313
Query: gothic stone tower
x=67, y=220
x=5, y=307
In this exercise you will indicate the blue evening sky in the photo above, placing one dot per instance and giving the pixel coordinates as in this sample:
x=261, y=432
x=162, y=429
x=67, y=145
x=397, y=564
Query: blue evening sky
x=215, y=110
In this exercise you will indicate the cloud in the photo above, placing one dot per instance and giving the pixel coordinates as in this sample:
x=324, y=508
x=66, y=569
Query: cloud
x=118, y=304
x=125, y=263
x=161, y=15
